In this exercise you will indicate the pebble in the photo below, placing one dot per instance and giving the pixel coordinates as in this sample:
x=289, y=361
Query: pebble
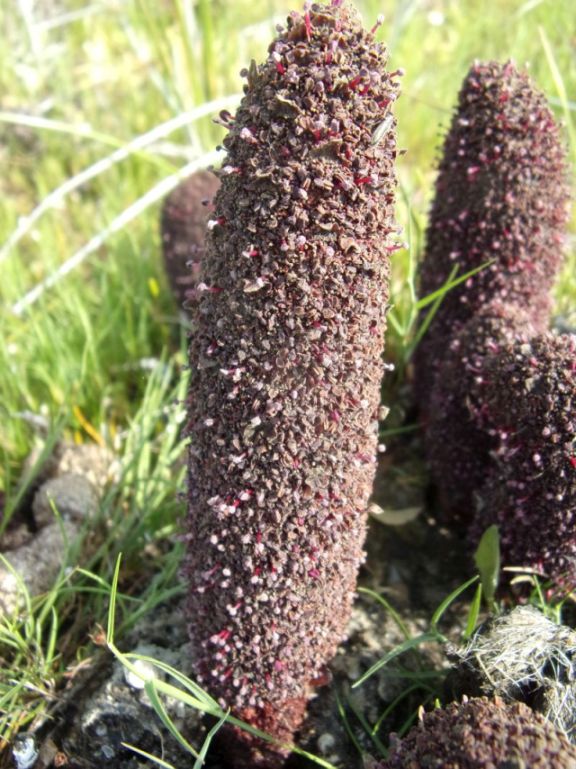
x=36, y=565
x=326, y=742
x=96, y=463
x=73, y=496
x=146, y=672
x=25, y=753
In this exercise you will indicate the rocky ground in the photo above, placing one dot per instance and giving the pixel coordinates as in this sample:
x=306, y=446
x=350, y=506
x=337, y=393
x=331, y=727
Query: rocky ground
x=412, y=561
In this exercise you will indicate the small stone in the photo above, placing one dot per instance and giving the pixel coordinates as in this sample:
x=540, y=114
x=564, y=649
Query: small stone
x=108, y=752
x=97, y=463
x=326, y=742
x=37, y=564
x=111, y=711
x=73, y=496
x=25, y=753
x=146, y=672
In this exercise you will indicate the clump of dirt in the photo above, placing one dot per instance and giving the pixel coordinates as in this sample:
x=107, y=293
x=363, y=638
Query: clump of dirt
x=522, y=655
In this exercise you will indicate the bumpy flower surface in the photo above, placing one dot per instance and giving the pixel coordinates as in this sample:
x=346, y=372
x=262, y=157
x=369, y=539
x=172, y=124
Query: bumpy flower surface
x=284, y=398
x=501, y=195
x=458, y=447
x=482, y=733
x=528, y=392
x=185, y=214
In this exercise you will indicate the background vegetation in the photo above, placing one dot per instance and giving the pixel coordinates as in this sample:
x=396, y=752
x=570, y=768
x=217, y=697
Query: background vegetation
x=91, y=343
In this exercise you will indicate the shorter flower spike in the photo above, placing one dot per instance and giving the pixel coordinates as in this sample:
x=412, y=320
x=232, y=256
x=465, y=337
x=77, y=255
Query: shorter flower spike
x=528, y=395
x=184, y=217
x=501, y=197
x=458, y=448
x=481, y=733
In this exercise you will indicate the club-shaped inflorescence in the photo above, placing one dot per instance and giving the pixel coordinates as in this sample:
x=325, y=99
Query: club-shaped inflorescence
x=496, y=392
x=500, y=201
x=286, y=360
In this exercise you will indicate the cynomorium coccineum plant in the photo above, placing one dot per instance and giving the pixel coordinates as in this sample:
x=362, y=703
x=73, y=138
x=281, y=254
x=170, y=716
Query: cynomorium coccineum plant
x=286, y=361
x=527, y=393
x=185, y=213
x=501, y=197
x=481, y=733
x=458, y=446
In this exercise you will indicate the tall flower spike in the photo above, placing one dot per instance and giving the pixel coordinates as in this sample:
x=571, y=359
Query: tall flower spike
x=529, y=396
x=185, y=214
x=286, y=361
x=501, y=196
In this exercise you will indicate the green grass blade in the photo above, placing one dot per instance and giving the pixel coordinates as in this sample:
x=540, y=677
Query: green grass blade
x=560, y=86
x=78, y=130
x=208, y=741
x=394, y=704
x=366, y=726
x=52, y=639
x=411, y=643
x=160, y=710
x=425, y=325
x=204, y=705
x=473, y=613
x=110, y=629
x=487, y=560
x=449, y=600
x=183, y=680
x=134, y=147
x=347, y=727
x=149, y=756
x=389, y=608
x=118, y=224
